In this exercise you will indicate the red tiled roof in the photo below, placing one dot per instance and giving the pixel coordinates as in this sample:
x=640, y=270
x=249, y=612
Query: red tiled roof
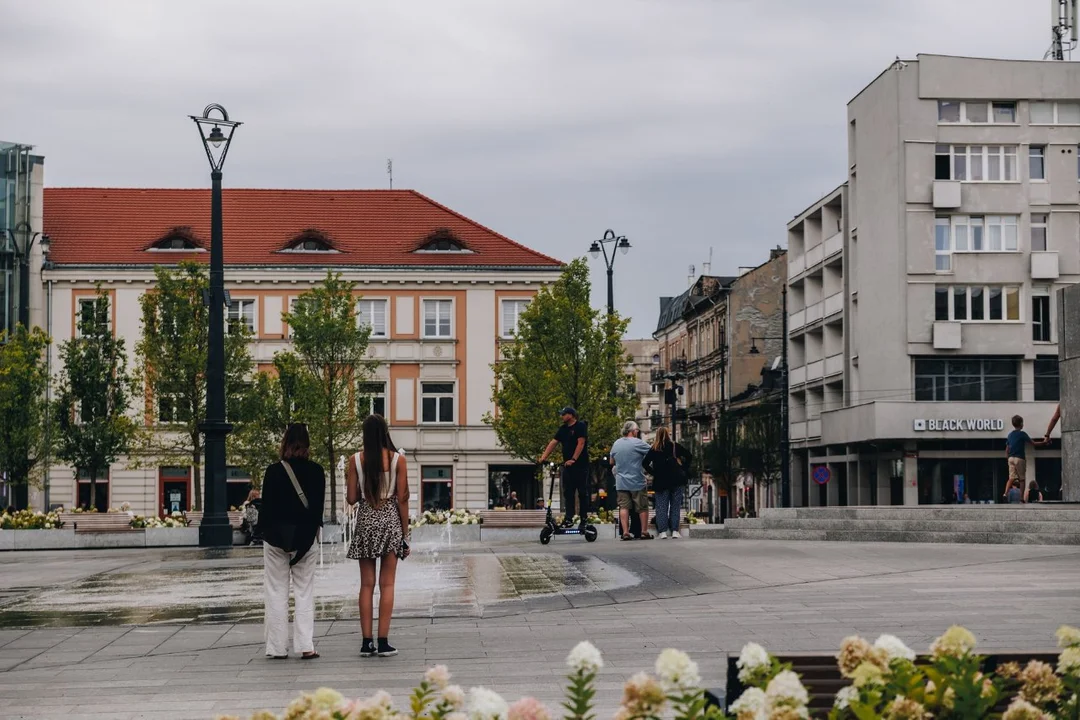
x=369, y=227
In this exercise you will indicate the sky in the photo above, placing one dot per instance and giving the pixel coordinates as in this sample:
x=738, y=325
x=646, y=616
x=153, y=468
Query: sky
x=685, y=125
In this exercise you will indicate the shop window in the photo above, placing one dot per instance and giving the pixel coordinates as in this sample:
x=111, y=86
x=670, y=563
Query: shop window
x=175, y=484
x=237, y=486
x=1047, y=379
x=966, y=379
x=101, y=490
x=436, y=487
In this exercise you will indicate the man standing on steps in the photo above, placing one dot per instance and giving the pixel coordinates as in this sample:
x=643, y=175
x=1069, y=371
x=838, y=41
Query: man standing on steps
x=573, y=435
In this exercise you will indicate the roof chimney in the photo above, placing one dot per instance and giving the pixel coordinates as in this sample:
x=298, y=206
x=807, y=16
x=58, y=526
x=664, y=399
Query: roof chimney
x=706, y=269
x=692, y=275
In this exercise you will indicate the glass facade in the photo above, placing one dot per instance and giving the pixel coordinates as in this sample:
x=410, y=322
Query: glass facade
x=16, y=165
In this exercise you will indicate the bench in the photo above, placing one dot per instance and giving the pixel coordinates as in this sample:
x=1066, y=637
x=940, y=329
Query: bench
x=822, y=679
x=194, y=518
x=97, y=522
x=513, y=518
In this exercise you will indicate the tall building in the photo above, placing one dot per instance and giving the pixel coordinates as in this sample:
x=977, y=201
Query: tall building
x=439, y=291
x=644, y=362
x=22, y=174
x=922, y=290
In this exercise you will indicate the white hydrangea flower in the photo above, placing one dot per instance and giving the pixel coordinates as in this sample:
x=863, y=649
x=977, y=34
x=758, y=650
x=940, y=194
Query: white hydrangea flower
x=677, y=671
x=1069, y=661
x=439, y=676
x=751, y=704
x=786, y=688
x=585, y=658
x=844, y=697
x=894, y=648
x=486, y=704
x=382, y=699
x=454, y=696
x=752, y=657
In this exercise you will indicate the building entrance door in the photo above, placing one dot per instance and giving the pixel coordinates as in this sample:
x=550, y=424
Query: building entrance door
x=175, y=483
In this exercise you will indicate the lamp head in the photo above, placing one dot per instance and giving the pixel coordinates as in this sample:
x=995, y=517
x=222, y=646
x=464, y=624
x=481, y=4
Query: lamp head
x=216, y=137
x=594, y=250
x=754, y=349
x=624, y=245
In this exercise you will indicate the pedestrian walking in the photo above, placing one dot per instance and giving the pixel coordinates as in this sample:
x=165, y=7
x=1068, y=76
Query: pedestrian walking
x=573, y=436
x=667, y=462
x=627, y=454
x=289, y=520
x=378, y=480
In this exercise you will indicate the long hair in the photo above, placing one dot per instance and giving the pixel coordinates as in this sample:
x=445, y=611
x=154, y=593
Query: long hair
x=662, y=438
x=376, y=440
x=295, y=443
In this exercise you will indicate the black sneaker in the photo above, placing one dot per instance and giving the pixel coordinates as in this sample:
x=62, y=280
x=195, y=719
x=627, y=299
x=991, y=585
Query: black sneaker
x=367, y=648
x=386, y=649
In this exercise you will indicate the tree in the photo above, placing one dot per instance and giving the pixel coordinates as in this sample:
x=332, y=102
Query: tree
x=94, y=396
x=263, y=414
x=564, y=353
x=23, y=409
x=721, y=455
x=332, y=350
x=760, y=443
x=172, y=353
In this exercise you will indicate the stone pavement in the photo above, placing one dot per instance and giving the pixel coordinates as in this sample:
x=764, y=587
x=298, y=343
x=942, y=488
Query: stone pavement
x=707, y=597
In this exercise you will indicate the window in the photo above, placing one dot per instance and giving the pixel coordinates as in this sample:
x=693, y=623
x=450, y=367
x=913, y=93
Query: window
x=436, y=487
x=437, y=402
x=175, y=242
x=966, y=304
x=511, y=314
x=1055, y=113
x=101, y=490
x=240, y=312
x=92, y=311
x=309, y=241
x=1039, y=229
x=437, y=318
x=1040, y=314
x=442, y=240
x=1037, y=162
x=975, y=163
x=1047, y=380
x=373, y=314
x=371, y=398
x=976, y=112
x=172, y=410
x=973, y=233
x=966, y=379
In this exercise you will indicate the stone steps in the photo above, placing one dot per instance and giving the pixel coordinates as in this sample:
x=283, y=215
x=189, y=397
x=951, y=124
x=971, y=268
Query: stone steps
x=999, y=526
x=981, y=538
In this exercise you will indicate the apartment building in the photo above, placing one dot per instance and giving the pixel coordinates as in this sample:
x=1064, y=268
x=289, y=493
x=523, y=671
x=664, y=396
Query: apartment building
x=922, y=291
x=439, y=291
x=644, y=354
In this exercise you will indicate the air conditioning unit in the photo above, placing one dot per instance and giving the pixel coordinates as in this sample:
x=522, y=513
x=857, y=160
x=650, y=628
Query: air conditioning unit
x=946, y=193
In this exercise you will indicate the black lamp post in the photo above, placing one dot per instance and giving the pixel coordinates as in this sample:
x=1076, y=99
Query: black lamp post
x=215, y=530
x=600, y=246
x=21, y=254
x=785, y=441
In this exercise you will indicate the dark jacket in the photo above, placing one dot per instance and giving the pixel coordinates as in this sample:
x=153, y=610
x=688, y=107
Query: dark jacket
x=666, y=473
x=281, y=505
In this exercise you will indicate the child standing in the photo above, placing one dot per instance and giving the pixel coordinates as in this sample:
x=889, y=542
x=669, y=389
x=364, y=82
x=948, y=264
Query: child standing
x=1016, y=451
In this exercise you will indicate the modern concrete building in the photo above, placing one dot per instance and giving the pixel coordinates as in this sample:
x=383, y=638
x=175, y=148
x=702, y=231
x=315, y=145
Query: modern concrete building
x=922, y=290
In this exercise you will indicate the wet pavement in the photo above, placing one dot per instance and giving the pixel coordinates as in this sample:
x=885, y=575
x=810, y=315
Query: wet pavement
x=176, y=633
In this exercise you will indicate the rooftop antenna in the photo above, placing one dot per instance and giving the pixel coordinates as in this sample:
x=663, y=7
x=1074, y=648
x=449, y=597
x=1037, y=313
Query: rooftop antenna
x=692, y=275
x=706, y=269
x=390, y=171
x=1062, y=24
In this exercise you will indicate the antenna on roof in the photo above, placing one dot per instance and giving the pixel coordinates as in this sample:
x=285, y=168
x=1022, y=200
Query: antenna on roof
x=1062, y=23
x=692, y=271
x=390, y=171
x=706, y=269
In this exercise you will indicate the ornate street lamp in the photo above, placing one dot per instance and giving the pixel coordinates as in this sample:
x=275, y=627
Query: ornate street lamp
x=215, y=531
x=600, y=246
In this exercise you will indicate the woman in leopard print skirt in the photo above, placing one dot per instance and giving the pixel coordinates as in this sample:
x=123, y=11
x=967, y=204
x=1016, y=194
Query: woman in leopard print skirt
x=377, y=478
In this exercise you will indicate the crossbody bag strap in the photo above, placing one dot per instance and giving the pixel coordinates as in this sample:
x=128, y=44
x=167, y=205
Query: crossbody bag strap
x=295, y=483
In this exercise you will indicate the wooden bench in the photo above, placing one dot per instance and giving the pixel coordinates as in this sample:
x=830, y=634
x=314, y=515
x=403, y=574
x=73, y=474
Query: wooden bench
x=513, y=518
x=97, y=522
x=194, y=517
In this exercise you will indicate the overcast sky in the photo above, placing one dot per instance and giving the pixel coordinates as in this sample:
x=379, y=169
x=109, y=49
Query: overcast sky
x=682, y=124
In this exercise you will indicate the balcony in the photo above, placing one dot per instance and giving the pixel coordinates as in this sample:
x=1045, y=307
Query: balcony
x=834, y=365
x=815, y=312
x=1044, y=266
x=797, y=375
x=796, y=265
x=815, y=370
x=834, y=244
x=834, y=304
x=796, y=320
x=946, y=193
x=815, y=255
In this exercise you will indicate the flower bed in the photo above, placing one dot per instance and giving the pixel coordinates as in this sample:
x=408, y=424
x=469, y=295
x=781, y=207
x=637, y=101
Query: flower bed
x=176, y=520
x=445, y=517
x=30, y=520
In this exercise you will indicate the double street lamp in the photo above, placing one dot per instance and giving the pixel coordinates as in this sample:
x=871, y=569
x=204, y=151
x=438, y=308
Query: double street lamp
x=215, y=531
x=19, y=253
x=600, y=246
x=785, y=441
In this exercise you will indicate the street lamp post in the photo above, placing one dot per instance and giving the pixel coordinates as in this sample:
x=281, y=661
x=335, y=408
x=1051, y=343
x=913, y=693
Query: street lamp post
x=215, y=530
x=22, y=257
x=785, y=441
x=600, y=246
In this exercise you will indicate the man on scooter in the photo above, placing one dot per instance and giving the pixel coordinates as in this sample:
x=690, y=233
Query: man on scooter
x=573, y=435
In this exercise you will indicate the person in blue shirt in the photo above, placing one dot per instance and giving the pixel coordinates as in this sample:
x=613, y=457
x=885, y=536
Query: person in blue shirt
x=1016, y=452
x=627, y=454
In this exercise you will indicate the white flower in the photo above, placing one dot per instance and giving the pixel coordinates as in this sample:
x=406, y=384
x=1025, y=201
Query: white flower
x=677, y=671
x=752, y=657
x=454, y=696
x=382, y=699
x=894, y=648
x=1069, y=661
x=751, y=704
x=585, y=658
x=438, y=676
x=486, y=704
x=845, y=696
x=786, y=688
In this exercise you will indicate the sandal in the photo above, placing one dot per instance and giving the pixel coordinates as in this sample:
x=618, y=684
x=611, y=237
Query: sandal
x=277, y=657
x=309, y=656
x=645, y=536
x=627, y=536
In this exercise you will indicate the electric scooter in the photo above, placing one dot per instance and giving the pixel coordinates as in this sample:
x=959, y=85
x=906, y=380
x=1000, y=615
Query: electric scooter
x=553, y=528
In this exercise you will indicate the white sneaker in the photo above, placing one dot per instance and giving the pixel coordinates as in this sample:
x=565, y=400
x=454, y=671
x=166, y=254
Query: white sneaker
x=662, y=536
x=675, y=534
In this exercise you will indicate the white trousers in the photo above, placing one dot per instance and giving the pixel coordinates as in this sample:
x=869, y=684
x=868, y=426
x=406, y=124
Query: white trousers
x=277, y=576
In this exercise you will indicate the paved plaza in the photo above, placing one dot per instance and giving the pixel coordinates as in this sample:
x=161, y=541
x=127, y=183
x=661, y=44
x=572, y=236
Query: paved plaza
x=177, y=633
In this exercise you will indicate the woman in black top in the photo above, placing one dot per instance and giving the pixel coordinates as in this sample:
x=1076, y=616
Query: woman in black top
x=668, y=463
x=289, y=521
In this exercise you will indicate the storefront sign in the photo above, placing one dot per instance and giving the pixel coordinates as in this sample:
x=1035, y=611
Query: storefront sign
x=960, y=425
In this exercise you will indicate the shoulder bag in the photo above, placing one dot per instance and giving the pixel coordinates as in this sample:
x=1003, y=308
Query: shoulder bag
x=283, y=536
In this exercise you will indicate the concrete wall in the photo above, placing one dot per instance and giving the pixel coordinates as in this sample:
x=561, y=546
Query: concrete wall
x=1069, y=358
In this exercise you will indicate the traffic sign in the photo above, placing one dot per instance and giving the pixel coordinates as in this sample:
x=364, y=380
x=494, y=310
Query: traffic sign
x=821, y=474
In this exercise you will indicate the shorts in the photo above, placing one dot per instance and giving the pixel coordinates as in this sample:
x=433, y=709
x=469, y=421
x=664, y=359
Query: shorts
x=634, y=500
x=1017, y=468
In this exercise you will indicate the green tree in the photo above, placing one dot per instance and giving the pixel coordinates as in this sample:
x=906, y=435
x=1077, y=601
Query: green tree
x=332, y=350
x=564, y=353
x=172, y=354
x=263, y=414
x=721, y=455
x=760, y=440
x=23, y=409
x=94, y=396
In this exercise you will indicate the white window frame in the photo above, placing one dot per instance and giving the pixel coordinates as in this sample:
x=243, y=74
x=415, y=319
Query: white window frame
x=988, y=106
x=986, y=289
x=1045, y=225
x=175, y=412
x=962, y=236
x=1055, y=115
x=85, y=300
x=438, y=304
x=231, y=317
x=377, y=330
x=1041, y=153
x=1042, y=291
x=371, y=397
x=985, y=157
x=519, y=305
x=440, y=397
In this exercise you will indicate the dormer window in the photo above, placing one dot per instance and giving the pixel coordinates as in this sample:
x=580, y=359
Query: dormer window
x=177, y=240
x=310, y=241
x=442, y=241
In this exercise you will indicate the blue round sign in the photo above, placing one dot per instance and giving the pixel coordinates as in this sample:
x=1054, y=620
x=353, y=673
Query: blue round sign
x=821, y=474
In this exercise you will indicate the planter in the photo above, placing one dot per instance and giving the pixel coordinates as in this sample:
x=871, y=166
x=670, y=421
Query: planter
x=444, y=535
x=171, y=537
x=7, y=539
x=63, y=539
x=97, y=540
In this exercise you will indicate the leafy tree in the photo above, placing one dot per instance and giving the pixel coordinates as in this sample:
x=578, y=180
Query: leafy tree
x=564, y=353
x=172, y=353
x=263, y=414
x=94, y=396
x=721, y=455
x=331, y=347
x=760, y=441
x=23, y=410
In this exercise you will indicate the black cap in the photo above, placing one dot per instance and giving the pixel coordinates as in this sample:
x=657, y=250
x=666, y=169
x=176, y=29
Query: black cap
x=568, y=411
